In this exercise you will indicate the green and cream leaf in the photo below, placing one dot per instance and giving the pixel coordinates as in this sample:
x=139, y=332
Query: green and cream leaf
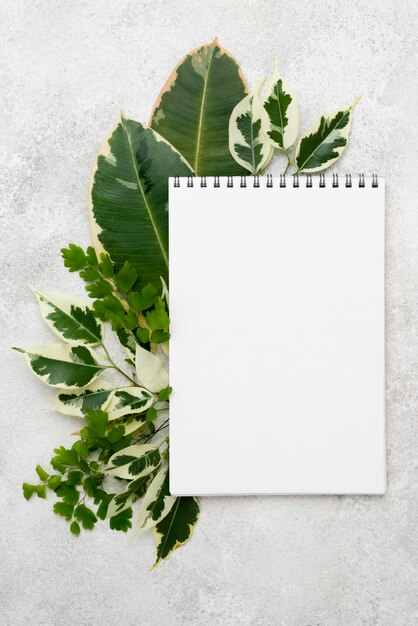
x=134, y=461
x=247, y=143
x=62, y=365
x=325, y=142
x=95, y=396
x=280, y=118
x=150, y=371
x=157, y=502
x=125, y=499
x=129, y=400
x=176, y=528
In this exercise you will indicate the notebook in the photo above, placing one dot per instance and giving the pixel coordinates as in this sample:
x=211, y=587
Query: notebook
x=277, y=335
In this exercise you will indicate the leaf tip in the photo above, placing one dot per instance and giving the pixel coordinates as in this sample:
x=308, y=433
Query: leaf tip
x=215, y=42
x=355, y=102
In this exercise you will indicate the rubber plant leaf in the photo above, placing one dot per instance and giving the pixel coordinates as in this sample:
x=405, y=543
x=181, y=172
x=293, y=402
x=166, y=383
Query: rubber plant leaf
x=129, y=199
x=193, y=109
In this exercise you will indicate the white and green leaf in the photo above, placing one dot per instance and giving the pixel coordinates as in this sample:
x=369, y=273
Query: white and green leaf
x=134, y=461
x=129, y=400
x=280, y=119
x=157, y=502
x=325, y=142
x=150, y=370
x=125, y=499
x=247, y=142
x=62, y=365
x=131, y=423
x=95, y=396
x=176, y=528
x=69, y=318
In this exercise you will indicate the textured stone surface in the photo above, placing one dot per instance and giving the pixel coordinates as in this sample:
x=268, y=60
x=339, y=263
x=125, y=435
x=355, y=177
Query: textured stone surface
x=67, y=69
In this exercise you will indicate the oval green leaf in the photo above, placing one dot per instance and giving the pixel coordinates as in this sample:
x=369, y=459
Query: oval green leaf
x=129, y=199
x=176, y=528
x=193, y=109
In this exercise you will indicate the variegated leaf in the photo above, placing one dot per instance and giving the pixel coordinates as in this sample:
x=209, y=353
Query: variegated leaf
x=134, y=461
x=150, y=371
x=280, y=120
x=247, y=143
x=69, y=318
x=95, y=396
x=131, y=423
x=128, y=400
x=193, y=109
x=125, y=499
x=325, y=142
x=176, y=528
x=63, y=366
x=157, y=502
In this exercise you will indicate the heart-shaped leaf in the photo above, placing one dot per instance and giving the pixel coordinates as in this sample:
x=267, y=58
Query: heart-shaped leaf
x=129, y=198
x=193, y=109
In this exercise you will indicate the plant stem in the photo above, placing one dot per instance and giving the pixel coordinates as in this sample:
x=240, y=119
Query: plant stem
x=289, y=162
x=115, y=367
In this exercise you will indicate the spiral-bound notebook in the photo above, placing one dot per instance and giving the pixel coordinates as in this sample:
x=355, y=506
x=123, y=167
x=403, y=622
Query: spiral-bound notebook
x=277, y=336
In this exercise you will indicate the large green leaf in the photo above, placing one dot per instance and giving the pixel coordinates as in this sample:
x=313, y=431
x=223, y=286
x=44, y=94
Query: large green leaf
x=63, y=366
x=176, y=528
x=193, y=109
x=129, y=198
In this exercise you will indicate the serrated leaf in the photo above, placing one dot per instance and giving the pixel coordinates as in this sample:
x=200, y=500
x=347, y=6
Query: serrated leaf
x=325, y=142
x=74, y=257
x=157, y=318
x=247, y=143
x=126, y=277
x=129, y=400
x=63, y=509
x=157, y=502
x=134, y=461
x=144, y=299
x=99, y=289
x=68, y=493
x=164, y=394
x=97, y=422
x=193, y=109
x=69, y=318
x=62, y=365
x=125, y=499
x=280, y=120
x=95, y=396
x=129, y=198
x=150, y=371
x=176, y=528
x=86, y=516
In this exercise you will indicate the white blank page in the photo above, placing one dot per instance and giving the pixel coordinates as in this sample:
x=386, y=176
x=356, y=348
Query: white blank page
x=277, y=338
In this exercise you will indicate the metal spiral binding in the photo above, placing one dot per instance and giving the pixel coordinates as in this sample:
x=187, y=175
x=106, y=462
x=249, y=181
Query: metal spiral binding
x=257, y=181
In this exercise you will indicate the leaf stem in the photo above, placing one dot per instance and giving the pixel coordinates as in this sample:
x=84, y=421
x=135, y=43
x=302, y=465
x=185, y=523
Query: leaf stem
x=115, y=367
x=289, y=161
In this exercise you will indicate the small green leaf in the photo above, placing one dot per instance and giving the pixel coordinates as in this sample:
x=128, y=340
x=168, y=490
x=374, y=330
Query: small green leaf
x=157, y=317
x=106, y=265
x=151, y=414
x=97, y=420
x=160, y=336
x=75, y=528
x=99, y=289
x=28, y=490
x=54, y=482
x=64, y=509
x=115, y=434
x=74, y=477
x=90, y=274
x=91, y=257
x=74, y=257
x=122, y=521
x=164, y=394
x=126, y=277
x=41, y=491
x=68, y=493
x=65, y=457
x=43, y=475
x=142, y=334
x=86, y=516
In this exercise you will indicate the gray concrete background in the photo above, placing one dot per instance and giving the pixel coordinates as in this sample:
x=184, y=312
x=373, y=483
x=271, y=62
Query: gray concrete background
x=67, y=69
